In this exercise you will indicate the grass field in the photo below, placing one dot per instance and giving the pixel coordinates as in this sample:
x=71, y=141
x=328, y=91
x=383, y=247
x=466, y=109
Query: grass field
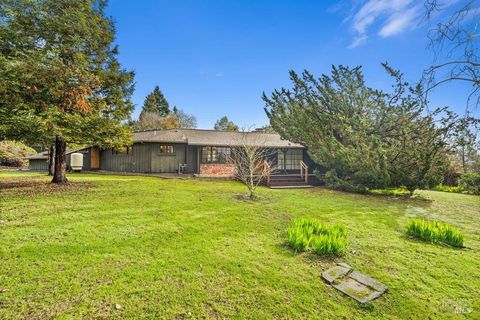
x=193, y=249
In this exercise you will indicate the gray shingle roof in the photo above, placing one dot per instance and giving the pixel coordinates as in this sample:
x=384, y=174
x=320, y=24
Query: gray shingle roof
x=199, y=137
x=44, y=154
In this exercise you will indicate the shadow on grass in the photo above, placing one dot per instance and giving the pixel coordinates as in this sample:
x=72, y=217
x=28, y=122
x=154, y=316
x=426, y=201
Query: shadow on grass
x=38, y=185
x=309, y=256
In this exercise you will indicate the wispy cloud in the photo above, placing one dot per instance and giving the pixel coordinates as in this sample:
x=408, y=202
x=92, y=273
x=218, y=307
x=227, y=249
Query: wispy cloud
x=392, y=17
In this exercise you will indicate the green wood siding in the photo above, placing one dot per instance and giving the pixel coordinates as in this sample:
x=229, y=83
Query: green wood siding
x=38, y=164
x=145, y=158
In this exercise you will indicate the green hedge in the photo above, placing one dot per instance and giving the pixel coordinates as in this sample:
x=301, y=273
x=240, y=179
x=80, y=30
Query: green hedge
x=470, y=182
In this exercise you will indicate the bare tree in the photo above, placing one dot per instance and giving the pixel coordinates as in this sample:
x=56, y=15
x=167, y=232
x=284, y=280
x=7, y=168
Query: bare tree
x=454, y=42
x=250, y=159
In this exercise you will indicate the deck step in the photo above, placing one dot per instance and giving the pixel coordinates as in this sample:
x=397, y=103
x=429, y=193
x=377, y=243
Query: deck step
x=288, y=183
x=304, y=186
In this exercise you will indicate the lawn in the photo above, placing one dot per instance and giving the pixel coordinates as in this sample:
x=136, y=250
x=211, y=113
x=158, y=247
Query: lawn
x=144, y=247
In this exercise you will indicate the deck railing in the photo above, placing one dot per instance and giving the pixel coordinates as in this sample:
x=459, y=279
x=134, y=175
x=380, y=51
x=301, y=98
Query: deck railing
x=304, y=171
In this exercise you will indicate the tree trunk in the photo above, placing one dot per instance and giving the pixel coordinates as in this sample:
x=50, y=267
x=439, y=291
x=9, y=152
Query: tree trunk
x=59, y=175
x=51, y=162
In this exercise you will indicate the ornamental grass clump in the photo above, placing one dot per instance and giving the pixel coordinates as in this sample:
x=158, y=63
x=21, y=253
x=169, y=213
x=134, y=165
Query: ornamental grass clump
x=311, y=235
x=435, y=232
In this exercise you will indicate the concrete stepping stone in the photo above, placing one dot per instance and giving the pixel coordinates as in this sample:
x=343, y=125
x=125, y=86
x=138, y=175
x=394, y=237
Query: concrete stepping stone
x=353, y=283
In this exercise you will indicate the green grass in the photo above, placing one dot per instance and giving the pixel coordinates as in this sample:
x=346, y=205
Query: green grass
x=170, y=248
x=310, y=234
x=434, y=231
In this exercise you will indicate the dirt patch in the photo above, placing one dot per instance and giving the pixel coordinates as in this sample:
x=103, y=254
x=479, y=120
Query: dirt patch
x=38, y=185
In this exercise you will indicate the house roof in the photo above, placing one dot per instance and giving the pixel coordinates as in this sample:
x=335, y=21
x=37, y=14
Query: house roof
x=200, y=137
x=44, y=155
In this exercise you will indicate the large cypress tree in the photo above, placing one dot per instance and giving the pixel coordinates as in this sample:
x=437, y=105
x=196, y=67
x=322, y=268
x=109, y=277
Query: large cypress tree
x=155, y=102
x=60, y=80
x=364, y=137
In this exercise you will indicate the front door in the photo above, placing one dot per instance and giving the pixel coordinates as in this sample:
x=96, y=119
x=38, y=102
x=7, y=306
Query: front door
x=94, y=158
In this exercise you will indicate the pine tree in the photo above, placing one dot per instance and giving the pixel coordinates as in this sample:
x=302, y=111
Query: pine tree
x=155, y=102
x=225, y=124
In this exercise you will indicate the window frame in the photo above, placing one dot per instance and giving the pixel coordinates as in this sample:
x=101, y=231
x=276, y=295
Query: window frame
x=168, y=151
x=214, y=154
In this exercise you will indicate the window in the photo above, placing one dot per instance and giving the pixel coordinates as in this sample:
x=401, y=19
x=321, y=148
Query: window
x=215, y=154
x=168, y=149
x=289, y=160
x=124, y=150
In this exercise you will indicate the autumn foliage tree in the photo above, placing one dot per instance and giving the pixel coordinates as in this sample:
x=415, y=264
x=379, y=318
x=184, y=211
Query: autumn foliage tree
x=60, y=78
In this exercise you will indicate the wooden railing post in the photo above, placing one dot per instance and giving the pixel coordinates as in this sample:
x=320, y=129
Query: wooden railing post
x=269, y=171
x=304, y=171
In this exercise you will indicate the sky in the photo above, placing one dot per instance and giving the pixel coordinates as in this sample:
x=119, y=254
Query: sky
x=216, y=57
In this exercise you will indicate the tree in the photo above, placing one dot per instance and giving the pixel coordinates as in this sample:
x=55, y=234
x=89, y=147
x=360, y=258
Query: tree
x=334, y=117
x=365, y=137
x=152, y=121
x=155, y=102
x=185, y=120
x=465, y=144
x=60, y=79
x=249, y=158
x=454, y=42
x=224, y=124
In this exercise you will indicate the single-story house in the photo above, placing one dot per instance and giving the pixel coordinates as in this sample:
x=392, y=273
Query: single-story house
x=91, y=159
x=194, y=151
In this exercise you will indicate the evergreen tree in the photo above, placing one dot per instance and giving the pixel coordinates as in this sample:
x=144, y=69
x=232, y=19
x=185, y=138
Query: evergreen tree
x=155, y=102
x=366, y=138
x=225, y=124
x=61, y=81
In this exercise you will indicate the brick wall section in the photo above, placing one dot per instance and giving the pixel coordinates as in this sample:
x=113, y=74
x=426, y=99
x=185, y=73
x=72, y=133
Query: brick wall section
x=217, y=169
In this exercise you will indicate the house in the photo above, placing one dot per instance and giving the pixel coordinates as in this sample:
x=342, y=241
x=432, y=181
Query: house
x=194, y=151
x=91, y=159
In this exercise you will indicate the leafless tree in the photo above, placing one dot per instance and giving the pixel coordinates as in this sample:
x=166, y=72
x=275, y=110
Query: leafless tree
x=250, y=159
x=454, y=42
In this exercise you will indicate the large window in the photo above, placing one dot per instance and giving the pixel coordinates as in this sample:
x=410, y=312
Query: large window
x=215, y=154
x=289, y=160
x=167, y=149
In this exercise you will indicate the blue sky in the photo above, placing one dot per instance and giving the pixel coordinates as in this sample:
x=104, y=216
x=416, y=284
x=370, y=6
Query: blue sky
x=215, y=57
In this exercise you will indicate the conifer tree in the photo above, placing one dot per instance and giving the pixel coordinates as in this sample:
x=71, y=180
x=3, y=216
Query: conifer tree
x=61, y=80
x=155, y=102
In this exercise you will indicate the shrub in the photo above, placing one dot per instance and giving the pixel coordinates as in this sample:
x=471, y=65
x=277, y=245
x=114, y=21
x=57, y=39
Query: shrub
x=435, y=232
x=310, y=234
x=470, y=182
x=445, y=188
x=12, y=153
x=333, y=181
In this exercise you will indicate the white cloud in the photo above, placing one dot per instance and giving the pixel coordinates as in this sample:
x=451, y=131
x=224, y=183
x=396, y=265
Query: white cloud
x=394, y=16
x=358, y=41
x=399, y=22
